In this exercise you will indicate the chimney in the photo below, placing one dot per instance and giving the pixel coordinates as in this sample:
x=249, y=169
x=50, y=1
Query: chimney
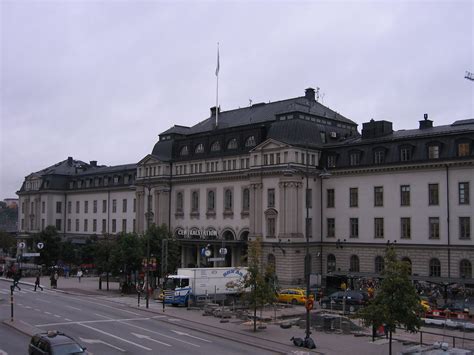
x=375, y=129
x=93, y=163
x=213, y=110
x=426, y=123
x=69, y=161
x=309, y=94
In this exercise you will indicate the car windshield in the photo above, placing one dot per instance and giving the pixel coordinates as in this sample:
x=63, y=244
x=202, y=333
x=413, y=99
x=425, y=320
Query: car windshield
x=64, y=349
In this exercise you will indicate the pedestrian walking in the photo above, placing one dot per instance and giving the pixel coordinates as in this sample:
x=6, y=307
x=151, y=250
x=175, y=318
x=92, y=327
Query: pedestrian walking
x=79, y=275
x=16, y=280
x=37, y=282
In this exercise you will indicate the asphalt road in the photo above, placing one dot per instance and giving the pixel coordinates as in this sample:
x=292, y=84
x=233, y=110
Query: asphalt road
x=105, y=327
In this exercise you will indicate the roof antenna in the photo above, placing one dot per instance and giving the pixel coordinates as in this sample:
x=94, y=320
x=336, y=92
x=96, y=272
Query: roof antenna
x=317, y=94
x=250, y=102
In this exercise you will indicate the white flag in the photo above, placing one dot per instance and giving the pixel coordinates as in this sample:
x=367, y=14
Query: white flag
x=218, y=66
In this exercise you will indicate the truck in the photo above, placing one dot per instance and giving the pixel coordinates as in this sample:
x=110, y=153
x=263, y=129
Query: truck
x=198, y=284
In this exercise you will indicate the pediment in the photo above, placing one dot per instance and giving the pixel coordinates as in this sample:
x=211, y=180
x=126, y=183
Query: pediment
x=270, y=144
x=149, y=160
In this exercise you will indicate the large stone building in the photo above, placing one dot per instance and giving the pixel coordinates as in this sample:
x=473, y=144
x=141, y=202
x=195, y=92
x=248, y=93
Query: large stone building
x=293, y=172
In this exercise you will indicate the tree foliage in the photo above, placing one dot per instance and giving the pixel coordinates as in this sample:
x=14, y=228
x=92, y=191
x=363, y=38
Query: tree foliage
x=157, y=234
x=7, y=241
x=51, y=252
x=127, y=253
x=396, y=302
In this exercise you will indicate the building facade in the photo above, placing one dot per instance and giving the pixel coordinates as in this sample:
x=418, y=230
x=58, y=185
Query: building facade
x=293, y=173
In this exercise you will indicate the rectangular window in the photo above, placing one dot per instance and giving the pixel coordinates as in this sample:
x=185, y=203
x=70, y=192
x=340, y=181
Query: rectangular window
x=433, y=194
x=464, y=227
x=114, y=226
x=463, y=149
x=434, y=227
x=22, y=223
x=433, y=152
x=330, y=198
x=354, y=227
x=114, y=206
x=323, y=137
x=309, y=198
x=94, y=225
x=77, y=225
x=43, y=206
x=405, y=154
x=94, y=206
x=405, y=195
x=86, y=206
x=271, y=198
x=124, y=205
x=104, y=225
x=405, y=224
x=124, y=225
x=378, y=227
x=134, y=205
x=69, y=207
x=68, y=224
x=378, y=196
x=134, y=225
x=272, y=159
x=78, y=208
x=464, y=193
x=42, y=223
x=58, y=207
x=354, y=159
x=104, y=206
x=331, y=227
x=86, y=224
x=265, y=159
x=309, y=227
x=271, y=227
x=331, y=161
x=278, y=158
x=353, y=197
x=58, y=224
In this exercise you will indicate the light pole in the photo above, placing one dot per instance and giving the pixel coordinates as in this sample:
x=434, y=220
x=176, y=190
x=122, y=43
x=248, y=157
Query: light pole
x=149, y=217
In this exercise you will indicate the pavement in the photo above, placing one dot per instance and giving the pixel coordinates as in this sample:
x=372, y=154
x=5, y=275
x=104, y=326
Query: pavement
x=337, y=341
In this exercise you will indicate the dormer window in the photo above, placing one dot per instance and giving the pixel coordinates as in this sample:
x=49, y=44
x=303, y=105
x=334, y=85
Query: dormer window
x=116, y=179
x=250, y=141
x=331, y=161
x=184, y=151
x=199, y=148
x=379, y=156
x=464, y=149
x=232, y=144
x=433, y=152
x=405, y=153
x=354, y=158
x=216, y=146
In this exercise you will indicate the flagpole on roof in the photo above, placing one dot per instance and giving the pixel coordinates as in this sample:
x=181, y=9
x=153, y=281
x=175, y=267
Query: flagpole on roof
x=217, y=86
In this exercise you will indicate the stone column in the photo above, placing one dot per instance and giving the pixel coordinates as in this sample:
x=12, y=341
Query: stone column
x=140, y=216
x=256, y=211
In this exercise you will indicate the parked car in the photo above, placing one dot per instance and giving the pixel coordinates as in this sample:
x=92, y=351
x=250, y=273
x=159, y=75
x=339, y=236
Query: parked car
x=293, y=296
x=353, y=299
x=54, y=343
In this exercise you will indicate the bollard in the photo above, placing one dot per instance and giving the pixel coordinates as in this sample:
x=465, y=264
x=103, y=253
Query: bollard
x=138, y=293
x=11, y=302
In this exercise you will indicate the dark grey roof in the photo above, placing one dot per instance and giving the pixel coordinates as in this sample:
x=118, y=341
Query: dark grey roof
x=177, y=129
x=107, y=169
x=163, y=150
x=264, y=112
x=65, y=167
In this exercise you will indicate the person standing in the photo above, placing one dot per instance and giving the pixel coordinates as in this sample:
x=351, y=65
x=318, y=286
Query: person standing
x=37, y=282
x=79, y=274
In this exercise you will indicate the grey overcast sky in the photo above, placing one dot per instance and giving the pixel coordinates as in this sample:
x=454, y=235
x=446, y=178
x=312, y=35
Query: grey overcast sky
x=99, y=80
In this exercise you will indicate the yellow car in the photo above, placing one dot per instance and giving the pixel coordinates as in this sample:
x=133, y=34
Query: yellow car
x=293, y=296
x=426, y=305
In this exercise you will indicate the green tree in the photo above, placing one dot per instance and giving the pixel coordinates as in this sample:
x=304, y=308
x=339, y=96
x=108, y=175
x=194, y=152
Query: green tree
x=259, y=280
x=7, y=241
x=68, y=252
x=157, y=235
x=127, y=253
x=396, y=302
x=51, y=252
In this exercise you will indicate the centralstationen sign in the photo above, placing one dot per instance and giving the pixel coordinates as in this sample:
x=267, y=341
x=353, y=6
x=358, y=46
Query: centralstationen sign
x=197, y=233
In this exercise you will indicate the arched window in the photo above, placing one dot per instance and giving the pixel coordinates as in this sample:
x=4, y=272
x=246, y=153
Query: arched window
x=216, y=146
x=331, y=263
x=379, y=264
x=354, y=263
x=246, y=199
x=228, y=203
x=408, y=262
x=179, y=202
x=199, y=148
x=250, y=141
x=195, y=202
x=184, y=151
x=271, y=261
x=435, y=268
x=465, y=269
x=211, y=200
x=228, y=235
x=232, y=144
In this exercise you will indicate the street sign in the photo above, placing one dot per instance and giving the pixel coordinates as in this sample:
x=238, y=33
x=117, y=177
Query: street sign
x=208, y=252
x=216, y=259
x=223, y=251
x=22, y=245
x=26, y=255
x=40, y=245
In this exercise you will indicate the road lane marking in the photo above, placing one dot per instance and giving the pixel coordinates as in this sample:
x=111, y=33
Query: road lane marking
x=98, y=341
x=189, y=335
x=37, y=310
x=27, y=307
x=48, y=312
x=161, y=334
x=78, y=309
x=141, y=336
x=104, y=305
x=69, y=320
x=20, y=304
x=39, y=299
x=116, y=337
x=57, y=316
x=90, y=321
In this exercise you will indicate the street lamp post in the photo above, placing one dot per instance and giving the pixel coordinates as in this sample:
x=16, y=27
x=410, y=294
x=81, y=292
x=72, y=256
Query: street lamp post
x=149, y=216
